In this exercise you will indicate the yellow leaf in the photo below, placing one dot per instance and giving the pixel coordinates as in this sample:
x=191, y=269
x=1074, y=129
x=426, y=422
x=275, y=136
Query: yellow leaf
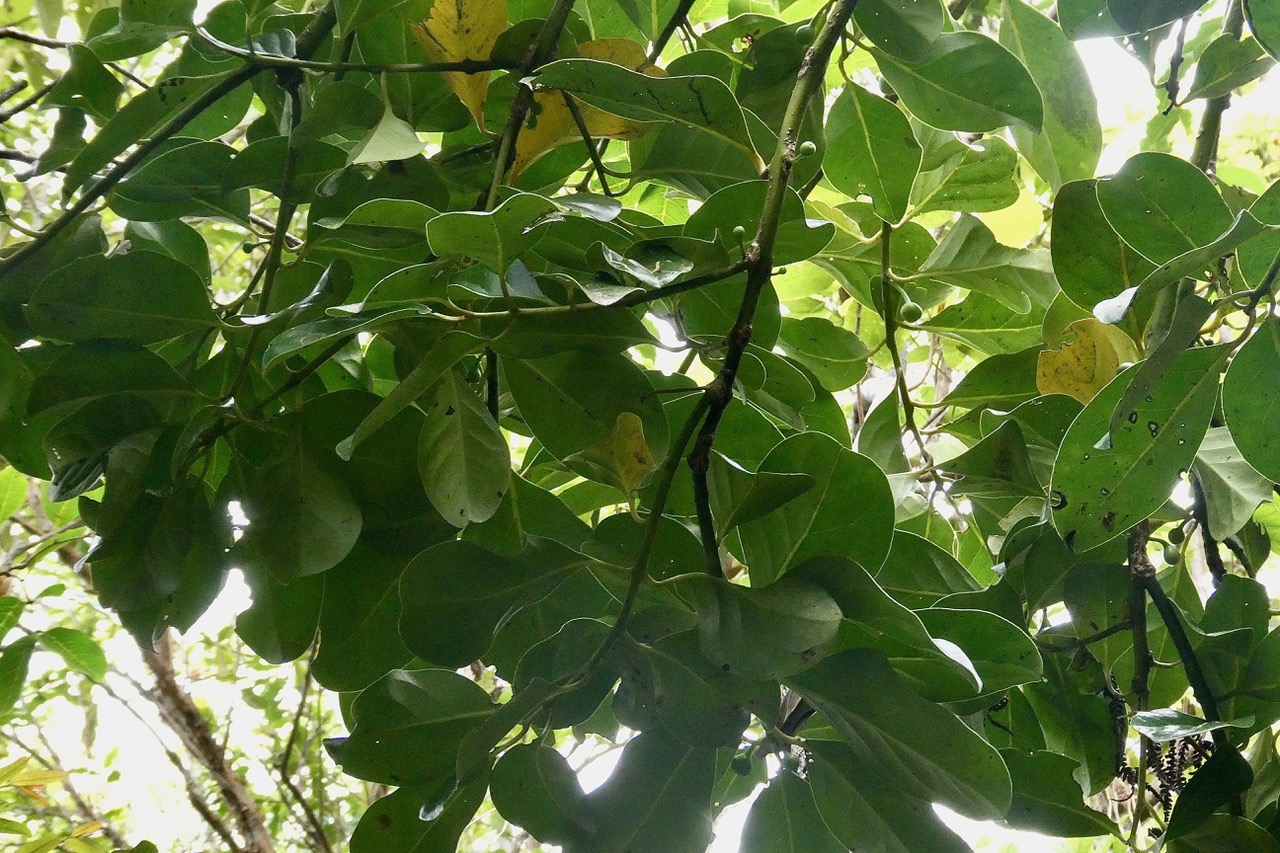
x=624, y=455
x=1089, y=360
x=86, y=829
x=464, y=29
x=36, y=778
x=550, y=124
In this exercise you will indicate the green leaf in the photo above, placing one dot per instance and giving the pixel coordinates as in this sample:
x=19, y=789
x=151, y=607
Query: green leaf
x=143, y=26
x=918, y=573
x=1069, y=147
x=13, y=492
x=533, y=786
x=920, y=748
x=185, y=180
x=979, y=177
x=394, y=822
x=1079, y=726
x=77, y=649
x=455, y=596
x=463, y=456
x=1000, y=651
x=302, y=517
x=1090, y=260
x=442, y=355
x=281, y=623
x=703, y=103
x=785, y=819
x=406, y=726
x=572, y=401
x=353, y=13
x=1139, y=16
x=392, y=138
x=137, y=119
x=10, y=612
x=741, y=205
x=358, y=620
x=1046, y=799
x=872, y=152
x=862, y=811
x=835, y=355
x=1105, y=481
x=1163, y=206
x=495, y=239
x=1166, y=724
x=13, y=671
x=1227, y=64
x=967, y=82
x=1224, y=777
x=657, y=798
x=848, y=512
x=737, y=496
x=97, y=369
x=1251, y=416
x=1264, y=21
x=874, y=620
x=970, y=257
x=87, y=85
x=903, y=30
x=765, y=632
x=539, y=335
x=1222, y=833
x=141, y=296
x=1233, y=489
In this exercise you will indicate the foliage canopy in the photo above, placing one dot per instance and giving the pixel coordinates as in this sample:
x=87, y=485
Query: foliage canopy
x=665, y=359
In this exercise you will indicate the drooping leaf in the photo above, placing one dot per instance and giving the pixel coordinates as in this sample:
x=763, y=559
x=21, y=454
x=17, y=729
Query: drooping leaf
x=785, y=819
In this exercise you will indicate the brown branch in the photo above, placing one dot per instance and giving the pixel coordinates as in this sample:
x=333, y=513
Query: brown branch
x=1200, y=512
x=193, y=729
x=27, y=103
x=539, y=53
x=759, y=255
x=15, y=34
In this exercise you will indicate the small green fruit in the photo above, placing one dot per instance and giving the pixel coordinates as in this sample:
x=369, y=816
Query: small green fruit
x=741, y=764
x=1177, y=536
x=739, y=231
x=910, y=312
x=1172, y=555
x=807, y=149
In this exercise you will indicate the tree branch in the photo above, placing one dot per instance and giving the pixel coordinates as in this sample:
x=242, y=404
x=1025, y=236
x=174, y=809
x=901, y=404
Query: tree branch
x=190, y=725
x=759, y=255
x=539, y=53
